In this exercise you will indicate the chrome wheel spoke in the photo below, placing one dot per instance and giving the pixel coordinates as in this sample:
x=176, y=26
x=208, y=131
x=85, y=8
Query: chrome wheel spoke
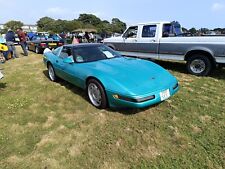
x=197, y=66
x=94, y=94
x=51, y=73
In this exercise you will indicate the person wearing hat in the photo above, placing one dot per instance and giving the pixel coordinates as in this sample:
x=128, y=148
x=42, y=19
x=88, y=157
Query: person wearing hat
x=10, y=39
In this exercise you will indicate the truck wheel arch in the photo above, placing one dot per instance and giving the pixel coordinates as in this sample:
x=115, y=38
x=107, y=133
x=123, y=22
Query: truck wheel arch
x=111, y=46
x=205, y=57
x=202, y=52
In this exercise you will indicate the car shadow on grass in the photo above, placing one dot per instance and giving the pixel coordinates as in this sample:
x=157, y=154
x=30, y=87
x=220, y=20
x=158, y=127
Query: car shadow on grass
x=2, y=85
x=174, y=66
x=218, y=73
x=131, y=111
x=71, y=87
x=82, y=93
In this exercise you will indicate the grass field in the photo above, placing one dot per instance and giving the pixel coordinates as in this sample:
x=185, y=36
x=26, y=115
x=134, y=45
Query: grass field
x=46, y=125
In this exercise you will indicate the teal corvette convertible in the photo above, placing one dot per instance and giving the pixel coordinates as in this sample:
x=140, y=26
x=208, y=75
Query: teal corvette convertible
x=109, y=78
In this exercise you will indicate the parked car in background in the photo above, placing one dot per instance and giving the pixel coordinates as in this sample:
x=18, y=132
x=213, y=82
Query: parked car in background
x=17, y=40
x=109, y=78
x=4, y=50
x=39, y=42
x=165, y=41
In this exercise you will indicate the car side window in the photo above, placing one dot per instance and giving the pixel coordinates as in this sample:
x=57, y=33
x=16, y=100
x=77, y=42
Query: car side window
x=131, y=32
x=149, y=31
x=66, y=52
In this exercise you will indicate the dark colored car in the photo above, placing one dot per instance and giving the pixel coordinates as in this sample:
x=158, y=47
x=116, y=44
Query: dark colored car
x=39, y=43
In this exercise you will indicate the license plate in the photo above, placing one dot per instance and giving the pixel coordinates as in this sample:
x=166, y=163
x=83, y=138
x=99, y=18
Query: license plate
x=52, y=44
x=165, y=94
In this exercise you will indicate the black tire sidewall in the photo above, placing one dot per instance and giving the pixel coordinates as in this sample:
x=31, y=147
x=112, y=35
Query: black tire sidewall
x=205, y=59
x=104, y=102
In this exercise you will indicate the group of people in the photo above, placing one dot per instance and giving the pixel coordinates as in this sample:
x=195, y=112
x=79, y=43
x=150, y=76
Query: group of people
x=10, y=39
x=85, y=38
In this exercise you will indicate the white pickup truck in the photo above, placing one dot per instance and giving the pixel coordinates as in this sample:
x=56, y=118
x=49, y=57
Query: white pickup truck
x=164, y=40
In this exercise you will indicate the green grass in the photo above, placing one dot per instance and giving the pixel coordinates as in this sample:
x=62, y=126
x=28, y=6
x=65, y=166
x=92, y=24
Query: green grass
x=52, y=125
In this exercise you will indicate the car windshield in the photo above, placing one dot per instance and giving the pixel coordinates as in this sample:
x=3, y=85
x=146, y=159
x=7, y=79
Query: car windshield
x=45, y=37
x=54, y=37
x=93, y=53
x=38, y=37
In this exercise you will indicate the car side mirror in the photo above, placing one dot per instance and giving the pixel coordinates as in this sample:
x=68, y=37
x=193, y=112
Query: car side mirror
x=68, y=60
x=124, y=36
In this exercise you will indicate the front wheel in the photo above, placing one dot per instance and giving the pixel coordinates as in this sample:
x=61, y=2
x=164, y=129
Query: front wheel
x=51, y=73
x=199, y=65
x=96, y=94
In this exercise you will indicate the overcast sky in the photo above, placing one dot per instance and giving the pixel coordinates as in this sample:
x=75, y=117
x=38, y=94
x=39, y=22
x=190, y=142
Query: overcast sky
x=190, y=13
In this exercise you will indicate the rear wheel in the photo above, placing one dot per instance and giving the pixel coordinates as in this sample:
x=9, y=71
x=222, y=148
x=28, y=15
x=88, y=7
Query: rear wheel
x=199, y=65
x=37, y=50
x=96, y=94
x=51, y=73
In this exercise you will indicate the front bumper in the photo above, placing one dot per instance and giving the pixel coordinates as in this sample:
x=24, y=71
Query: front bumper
x=120, y=102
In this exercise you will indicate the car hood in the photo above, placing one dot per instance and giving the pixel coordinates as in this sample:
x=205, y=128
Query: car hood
x=133, y=76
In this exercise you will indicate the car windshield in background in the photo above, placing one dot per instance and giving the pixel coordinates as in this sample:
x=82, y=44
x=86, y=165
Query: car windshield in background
x=38, y=37
x=45, y=37
x=93, y=53
x=54, y=37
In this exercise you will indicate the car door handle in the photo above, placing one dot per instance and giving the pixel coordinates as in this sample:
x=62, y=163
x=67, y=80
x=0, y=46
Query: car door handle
x=153, y=40
x=57, y=61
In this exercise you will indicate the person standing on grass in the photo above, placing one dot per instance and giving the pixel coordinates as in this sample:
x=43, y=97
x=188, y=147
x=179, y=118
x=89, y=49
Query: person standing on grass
x=23, y=40
x=10, y=39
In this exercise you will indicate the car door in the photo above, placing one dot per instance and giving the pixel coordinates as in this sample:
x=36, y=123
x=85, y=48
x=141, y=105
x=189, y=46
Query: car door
x=67, y=70
x=130, y=40
x=148, y=41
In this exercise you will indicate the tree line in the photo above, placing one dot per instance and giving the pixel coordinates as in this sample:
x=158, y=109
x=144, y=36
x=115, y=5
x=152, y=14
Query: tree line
x=85, y=21
x=90, y=21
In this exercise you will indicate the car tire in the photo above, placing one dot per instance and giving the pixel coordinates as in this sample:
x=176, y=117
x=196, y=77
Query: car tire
x=96, y=94
x=37, y=50
x=199, y=65
x=51, y=73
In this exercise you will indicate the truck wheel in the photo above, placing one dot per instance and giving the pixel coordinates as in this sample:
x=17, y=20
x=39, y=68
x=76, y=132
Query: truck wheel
x=199, y=65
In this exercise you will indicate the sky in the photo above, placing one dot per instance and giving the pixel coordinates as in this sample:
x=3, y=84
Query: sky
x=190, y=13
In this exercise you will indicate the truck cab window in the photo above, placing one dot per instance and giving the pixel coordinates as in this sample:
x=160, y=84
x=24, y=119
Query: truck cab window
x=131, y=32
x=167, y=30
x=171, y=30
x=149, y=31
